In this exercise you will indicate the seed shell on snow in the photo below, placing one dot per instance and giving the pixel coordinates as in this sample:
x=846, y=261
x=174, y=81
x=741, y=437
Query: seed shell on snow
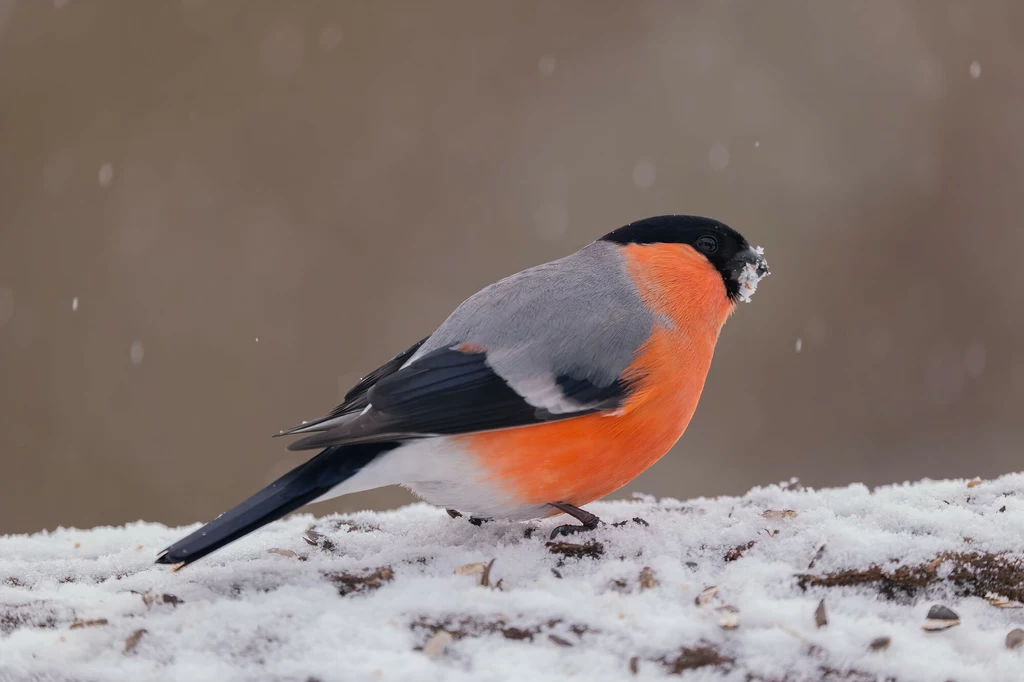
x=281, y=552
x=481, y=570
x=133, y=640
x=647, y=579
x=436, y=645
x=705, y=597
x=729, y=621
x=820, y=617
x=817, y=555
x=1014, y=638
x=728, y=617
x=880, y=643
x=1000, y=602
x=779, y=514
x=87, y=623
x=940, y=618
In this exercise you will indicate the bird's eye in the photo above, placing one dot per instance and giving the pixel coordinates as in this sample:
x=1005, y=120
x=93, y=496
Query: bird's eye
x=707, y=244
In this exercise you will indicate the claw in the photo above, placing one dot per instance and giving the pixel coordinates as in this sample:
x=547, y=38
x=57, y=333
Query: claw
x=587, y=520
x=569, y=529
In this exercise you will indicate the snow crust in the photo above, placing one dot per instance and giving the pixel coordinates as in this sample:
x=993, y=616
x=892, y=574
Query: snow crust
x=381, y=596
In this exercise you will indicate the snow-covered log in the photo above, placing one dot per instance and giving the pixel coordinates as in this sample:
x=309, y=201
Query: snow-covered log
x=918, y=582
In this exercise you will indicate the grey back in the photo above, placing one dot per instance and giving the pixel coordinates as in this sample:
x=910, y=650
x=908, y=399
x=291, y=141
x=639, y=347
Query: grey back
x=579, y=316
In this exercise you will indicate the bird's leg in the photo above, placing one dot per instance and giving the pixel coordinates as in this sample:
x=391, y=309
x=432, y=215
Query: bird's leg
x=589, y=521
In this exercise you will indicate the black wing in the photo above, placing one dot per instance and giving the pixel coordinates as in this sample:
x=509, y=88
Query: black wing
x=355, y=400
x=449, y=391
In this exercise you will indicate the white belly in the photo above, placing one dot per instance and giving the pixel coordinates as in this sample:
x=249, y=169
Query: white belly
x=439, y=472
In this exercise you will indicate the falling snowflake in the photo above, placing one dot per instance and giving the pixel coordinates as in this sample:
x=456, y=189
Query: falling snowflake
x=136, y=353
x=330, y=37
x=718, y=156
x=106, y=174
x=643, y=173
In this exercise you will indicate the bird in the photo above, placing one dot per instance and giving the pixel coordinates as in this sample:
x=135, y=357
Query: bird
x=539, y=394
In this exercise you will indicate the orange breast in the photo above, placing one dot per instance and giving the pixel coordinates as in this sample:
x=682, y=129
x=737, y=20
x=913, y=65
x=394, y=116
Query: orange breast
x=580, y=460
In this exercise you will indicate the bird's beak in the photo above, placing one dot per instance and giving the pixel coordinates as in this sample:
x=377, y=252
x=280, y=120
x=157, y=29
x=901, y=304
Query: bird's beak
x=748, y=267
x=755, y=256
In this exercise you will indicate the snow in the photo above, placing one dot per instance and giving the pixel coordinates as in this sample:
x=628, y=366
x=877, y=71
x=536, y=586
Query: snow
x=389, y=596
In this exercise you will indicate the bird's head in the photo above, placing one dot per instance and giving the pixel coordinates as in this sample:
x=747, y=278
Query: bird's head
x=740, y=265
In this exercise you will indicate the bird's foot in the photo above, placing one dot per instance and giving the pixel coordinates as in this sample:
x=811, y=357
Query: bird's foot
x=588, y=521
x=453, y=513
x=570, y=529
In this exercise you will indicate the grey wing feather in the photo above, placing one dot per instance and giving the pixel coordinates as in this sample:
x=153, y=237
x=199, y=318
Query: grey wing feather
x=557, y=339
x=580, y=316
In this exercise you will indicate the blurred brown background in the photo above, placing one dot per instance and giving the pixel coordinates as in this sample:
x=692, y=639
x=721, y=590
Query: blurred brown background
x=214, y=216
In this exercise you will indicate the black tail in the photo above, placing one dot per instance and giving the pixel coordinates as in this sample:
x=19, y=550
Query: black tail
x=298, y=487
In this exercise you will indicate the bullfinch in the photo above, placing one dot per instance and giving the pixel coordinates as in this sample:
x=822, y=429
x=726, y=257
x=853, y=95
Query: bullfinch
x=541, y=393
